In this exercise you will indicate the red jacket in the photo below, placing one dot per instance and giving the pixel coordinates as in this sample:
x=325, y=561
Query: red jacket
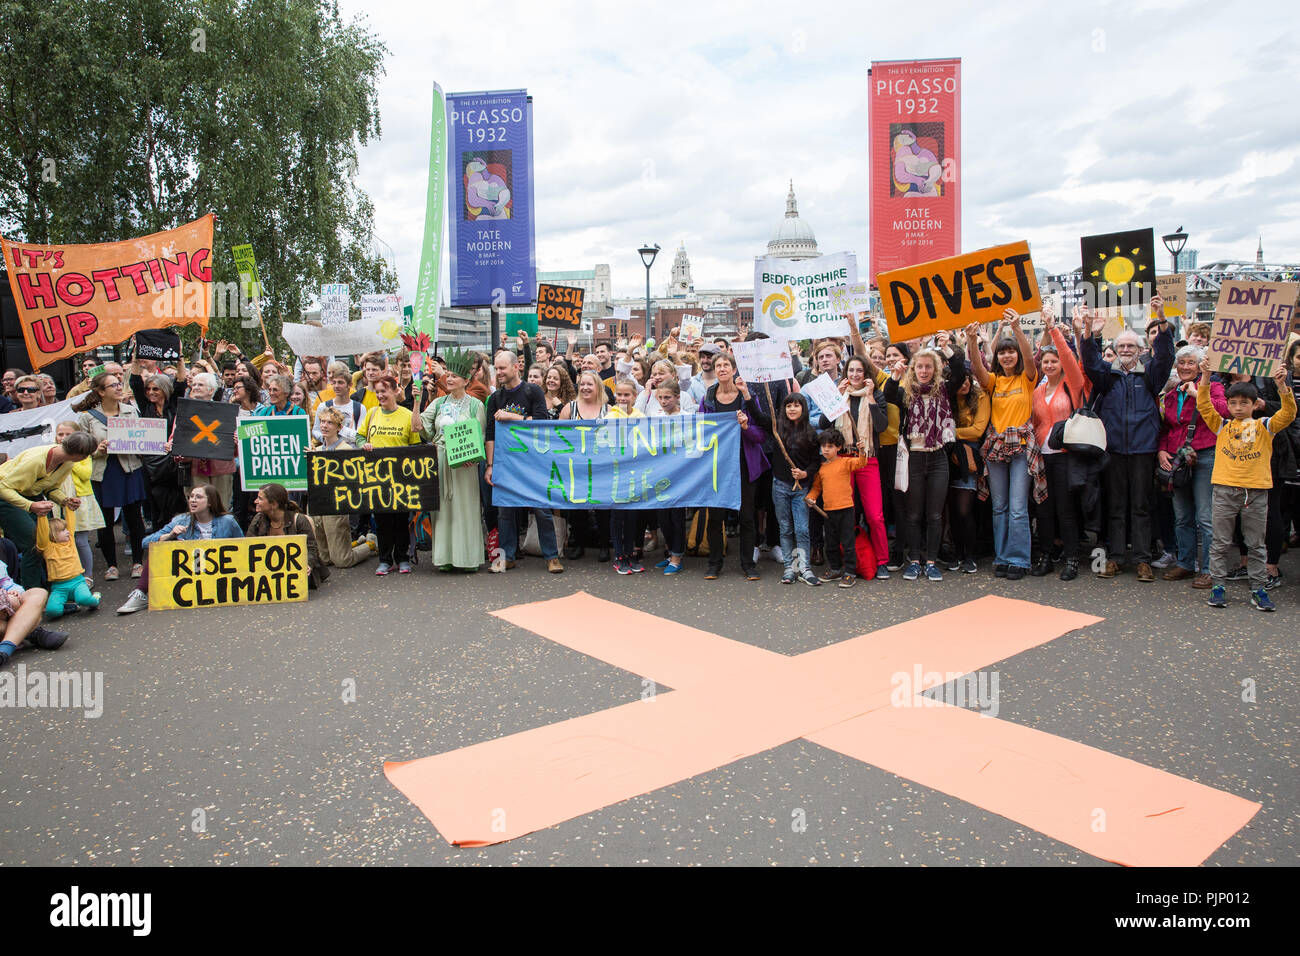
x=1173, y=428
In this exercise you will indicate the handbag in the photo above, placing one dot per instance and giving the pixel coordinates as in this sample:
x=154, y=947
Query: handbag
x=1180, y=475
x=1083, y=432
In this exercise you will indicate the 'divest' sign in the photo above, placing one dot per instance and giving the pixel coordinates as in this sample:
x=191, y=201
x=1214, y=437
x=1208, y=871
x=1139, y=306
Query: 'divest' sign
x=951, y=293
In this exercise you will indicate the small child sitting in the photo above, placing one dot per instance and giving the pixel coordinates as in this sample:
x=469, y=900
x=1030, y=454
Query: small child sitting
x=54, y=539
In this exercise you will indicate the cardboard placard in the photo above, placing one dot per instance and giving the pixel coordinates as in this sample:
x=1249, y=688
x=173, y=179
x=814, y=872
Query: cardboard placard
x=136, y=436
x=464, y=443
x=827, y=396
x=384, y=480
x=525, y=321
x=246, y=266
x=272, y=449
x=381, y=306
x=1251, y=323
x=221, y=572
x=335, y=303
x=763, y=360
x=559, y=306
x=691, y=329
x=851, y=298
x=1119, y=270
x=622, y=313
x=158, y=346
x=951, y=293
x=205, y=429
x=1173, y=289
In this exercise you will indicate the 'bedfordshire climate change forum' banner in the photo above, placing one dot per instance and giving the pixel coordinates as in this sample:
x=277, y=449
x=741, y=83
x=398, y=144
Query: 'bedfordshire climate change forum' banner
x=914, y=117
x=490, y=165
x=795, y=299
x=671, y=462
x=73, y=299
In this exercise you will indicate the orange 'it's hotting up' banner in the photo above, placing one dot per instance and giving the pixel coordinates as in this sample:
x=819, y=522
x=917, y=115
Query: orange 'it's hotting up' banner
x=914, y=117
x=75, y=298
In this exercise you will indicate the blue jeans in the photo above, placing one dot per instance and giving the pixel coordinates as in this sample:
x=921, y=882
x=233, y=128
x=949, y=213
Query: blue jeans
x=1009, y=488
x=792, y=516
x=1194, y=511
x=509, y=534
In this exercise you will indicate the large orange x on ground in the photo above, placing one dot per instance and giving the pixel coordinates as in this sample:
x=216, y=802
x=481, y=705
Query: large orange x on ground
x=732, y=700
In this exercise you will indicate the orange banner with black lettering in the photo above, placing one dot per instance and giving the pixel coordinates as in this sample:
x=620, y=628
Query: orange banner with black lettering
x=74, y=298
x=951, y=293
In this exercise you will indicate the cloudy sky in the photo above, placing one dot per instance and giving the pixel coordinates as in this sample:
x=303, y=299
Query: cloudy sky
x=684, y=121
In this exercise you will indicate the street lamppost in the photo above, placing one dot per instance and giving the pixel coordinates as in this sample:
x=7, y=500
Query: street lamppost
x=648, y=253
x=1174, y=242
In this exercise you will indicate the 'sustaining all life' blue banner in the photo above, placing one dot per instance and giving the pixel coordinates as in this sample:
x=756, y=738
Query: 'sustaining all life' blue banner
x=669, y=462
x=490, y=170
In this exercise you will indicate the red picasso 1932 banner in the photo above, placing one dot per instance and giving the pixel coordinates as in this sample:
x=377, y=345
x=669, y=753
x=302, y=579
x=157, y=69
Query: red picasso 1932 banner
x=914, y=116
x=74, y=298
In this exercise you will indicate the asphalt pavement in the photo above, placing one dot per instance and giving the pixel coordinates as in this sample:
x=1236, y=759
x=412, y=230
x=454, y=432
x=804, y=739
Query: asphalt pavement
x=257, y=735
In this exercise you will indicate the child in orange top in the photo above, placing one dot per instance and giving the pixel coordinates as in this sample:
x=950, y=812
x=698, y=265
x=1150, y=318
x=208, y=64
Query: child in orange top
x=834, y=482
x=54, y=539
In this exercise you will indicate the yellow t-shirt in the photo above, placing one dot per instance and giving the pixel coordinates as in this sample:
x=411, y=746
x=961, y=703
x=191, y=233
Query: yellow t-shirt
x=890, y=435
x=1243, y=454
x=62, y=562
x=387, y=429
x=1013, y=401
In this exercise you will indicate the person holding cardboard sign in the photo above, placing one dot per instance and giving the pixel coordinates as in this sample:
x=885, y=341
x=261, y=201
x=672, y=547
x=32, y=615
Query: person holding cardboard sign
x=458, y=527
x=1012, y=459
x=1129, y=409
x=118, y=480
x=388, y=425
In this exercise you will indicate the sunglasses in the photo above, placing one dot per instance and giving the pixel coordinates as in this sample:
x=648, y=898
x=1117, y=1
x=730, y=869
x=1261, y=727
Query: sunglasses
x=28, y=389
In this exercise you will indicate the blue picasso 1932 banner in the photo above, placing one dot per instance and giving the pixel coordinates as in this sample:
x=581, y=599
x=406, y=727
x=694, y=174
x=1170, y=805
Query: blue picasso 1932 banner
x=669, y=462
x=490, y=169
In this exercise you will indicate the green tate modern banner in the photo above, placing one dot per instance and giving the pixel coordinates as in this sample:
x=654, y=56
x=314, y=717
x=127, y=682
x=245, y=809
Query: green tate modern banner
x=272, y=449
x=425, y=311
x=676, y=461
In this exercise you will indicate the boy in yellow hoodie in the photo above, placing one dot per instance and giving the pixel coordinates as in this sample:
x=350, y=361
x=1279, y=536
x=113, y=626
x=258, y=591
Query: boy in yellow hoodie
x=1243, y=475
x=54, y=539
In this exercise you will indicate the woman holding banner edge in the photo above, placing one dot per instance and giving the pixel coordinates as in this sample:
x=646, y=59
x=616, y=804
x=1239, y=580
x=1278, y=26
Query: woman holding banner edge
x=458, y=526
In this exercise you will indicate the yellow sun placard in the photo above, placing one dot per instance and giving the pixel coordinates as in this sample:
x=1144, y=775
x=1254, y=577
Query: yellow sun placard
x=1119, y=267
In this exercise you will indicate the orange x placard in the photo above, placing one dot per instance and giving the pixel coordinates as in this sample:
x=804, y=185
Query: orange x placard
x=732, y=700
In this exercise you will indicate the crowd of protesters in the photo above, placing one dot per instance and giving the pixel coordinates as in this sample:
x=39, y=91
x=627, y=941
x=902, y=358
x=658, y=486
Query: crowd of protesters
x=959, y=447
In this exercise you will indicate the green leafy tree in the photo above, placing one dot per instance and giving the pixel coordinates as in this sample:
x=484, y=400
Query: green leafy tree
x=125, y=117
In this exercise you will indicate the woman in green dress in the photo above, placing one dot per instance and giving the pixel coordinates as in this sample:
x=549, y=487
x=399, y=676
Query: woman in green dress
x=458, y=525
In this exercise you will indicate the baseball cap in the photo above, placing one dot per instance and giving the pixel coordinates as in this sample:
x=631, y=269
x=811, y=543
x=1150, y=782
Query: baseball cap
x=708, y=348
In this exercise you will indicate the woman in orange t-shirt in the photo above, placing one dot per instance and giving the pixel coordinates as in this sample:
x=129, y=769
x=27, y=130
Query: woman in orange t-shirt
x=1011, y=443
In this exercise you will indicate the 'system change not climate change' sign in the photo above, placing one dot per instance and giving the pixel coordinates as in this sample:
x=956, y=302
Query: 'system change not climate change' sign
x=271, y=450
x=671, y=462
x=797, y=300
x=220, y=572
